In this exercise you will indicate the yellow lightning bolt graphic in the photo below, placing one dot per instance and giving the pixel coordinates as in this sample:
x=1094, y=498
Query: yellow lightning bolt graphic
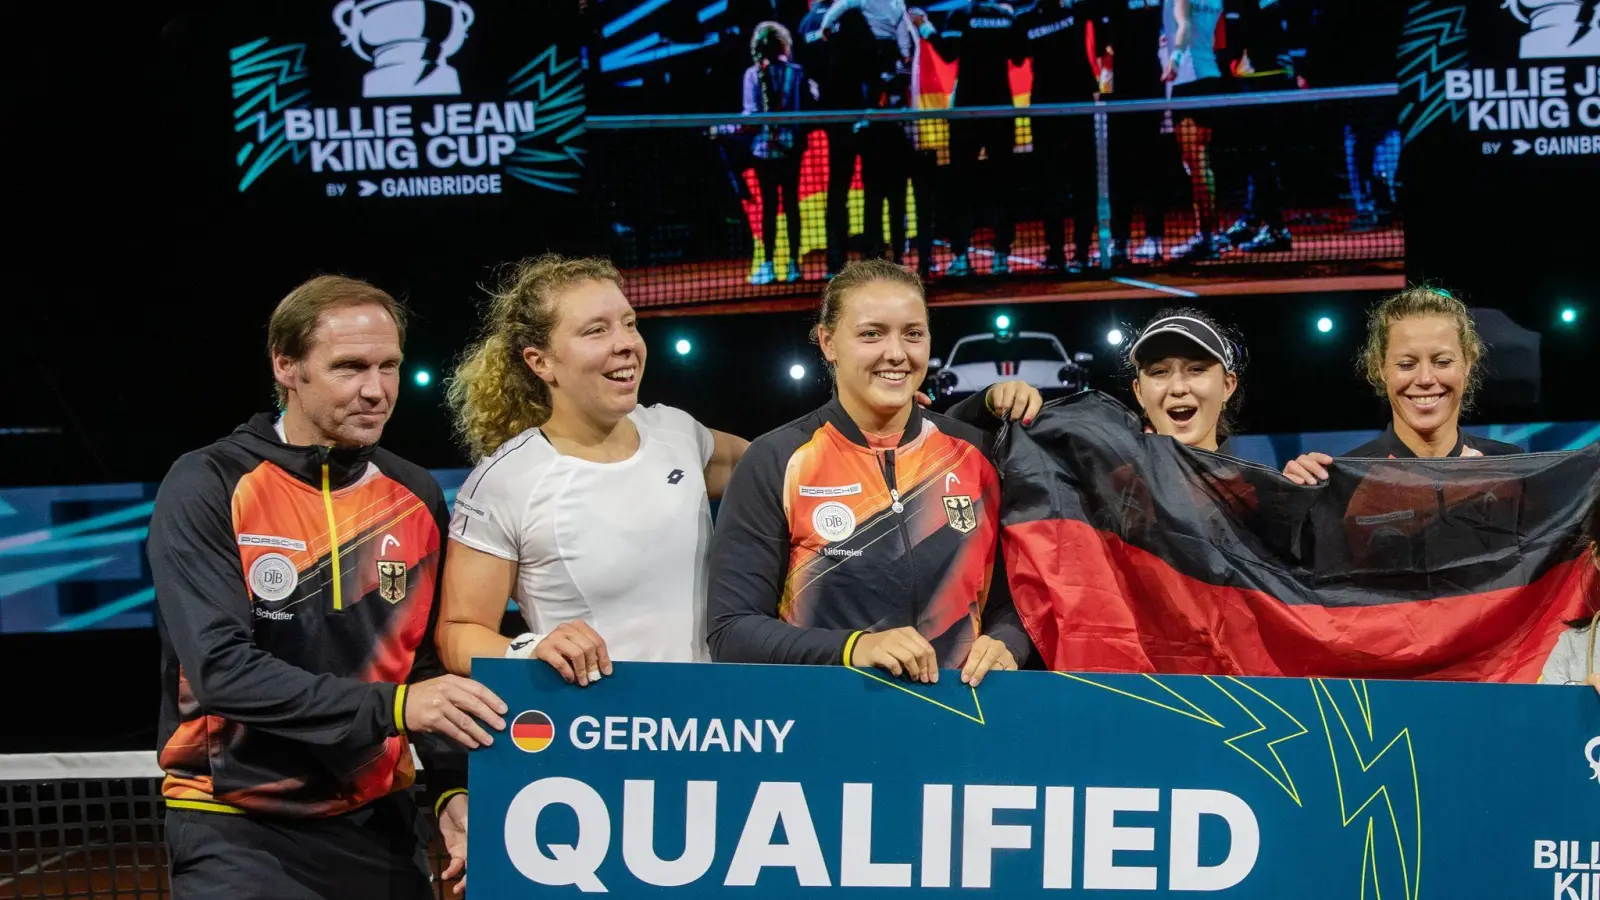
x=1361, y=783
x=1253, y=739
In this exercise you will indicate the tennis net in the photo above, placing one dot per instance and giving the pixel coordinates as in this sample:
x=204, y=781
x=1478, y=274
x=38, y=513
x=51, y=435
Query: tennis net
x=88, y=825
x=1280, y=183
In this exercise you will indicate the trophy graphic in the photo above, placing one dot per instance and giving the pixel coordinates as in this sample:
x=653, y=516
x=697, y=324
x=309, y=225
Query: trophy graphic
x=407, y=42
x=1557, y=29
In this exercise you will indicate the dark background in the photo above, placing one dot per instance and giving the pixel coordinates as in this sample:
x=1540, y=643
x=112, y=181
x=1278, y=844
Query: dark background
x=139, y=283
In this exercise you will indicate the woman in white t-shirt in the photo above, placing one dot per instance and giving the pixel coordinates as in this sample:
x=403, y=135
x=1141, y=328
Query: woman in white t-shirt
x=591, y=511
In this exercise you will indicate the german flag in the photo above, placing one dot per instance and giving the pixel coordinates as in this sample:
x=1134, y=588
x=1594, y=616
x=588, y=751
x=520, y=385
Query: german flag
x=1128, y=552
x=532, y=731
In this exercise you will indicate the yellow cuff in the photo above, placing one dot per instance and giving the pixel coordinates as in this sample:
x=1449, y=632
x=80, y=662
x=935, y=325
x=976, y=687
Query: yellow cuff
x=438, y=805
x=849, y=645
x=400, y=708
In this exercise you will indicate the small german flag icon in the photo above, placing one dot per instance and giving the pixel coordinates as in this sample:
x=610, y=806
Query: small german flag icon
x=532, y=731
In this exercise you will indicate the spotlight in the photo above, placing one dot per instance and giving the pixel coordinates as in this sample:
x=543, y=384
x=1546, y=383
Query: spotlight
x=1324, y=324
x=1569, y=315
x=683, y=347
x=1114, y=337
x=1002, y=322
x=422, y=377
x=797, y=371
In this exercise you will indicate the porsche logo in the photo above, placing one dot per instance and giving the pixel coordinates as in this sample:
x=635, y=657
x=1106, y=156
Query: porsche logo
x=958, y=509
x=392, y=580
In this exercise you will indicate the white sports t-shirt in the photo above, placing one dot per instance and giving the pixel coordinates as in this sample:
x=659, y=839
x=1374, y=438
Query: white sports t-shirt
x=619, y=545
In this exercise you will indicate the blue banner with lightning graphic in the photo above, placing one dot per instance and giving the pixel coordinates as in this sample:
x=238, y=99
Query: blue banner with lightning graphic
x=710, y=780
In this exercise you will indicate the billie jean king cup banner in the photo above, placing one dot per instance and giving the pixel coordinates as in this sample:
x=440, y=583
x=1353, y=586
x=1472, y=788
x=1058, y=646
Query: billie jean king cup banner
x=407, y=98
x=710, y=780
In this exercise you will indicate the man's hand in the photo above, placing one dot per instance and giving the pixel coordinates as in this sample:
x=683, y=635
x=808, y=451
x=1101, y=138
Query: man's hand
x=1594, y=681
x=453, y=831
x=902, y=651
x=577, y=651
x=1014, y=400
x=448, y=705
x=987, y=653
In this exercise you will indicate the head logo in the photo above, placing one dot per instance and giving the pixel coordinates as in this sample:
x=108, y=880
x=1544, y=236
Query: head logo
x=273, y=577
x=1591, y=754
x=532, y=731
x=675, y=476
x=1558, y=29
x=833, y=521
x=407, y=42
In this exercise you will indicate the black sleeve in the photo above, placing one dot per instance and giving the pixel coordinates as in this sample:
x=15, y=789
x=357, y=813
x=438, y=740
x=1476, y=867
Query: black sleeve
x=749, y=566
x=1019, y=41
x=444, y=762
x=948, y=40
x=1000, y=618
x=204, y=608
x=975, y=412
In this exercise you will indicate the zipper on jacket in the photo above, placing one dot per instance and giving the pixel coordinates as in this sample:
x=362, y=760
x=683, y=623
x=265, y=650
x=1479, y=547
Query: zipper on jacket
x=886, y=464
x=333, y=528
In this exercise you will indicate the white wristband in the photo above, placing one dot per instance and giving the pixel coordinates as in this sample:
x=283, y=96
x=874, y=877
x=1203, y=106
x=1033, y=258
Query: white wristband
x=523, y=645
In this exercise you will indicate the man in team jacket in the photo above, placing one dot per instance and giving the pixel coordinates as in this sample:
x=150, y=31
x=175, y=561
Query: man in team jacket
x=296, y=568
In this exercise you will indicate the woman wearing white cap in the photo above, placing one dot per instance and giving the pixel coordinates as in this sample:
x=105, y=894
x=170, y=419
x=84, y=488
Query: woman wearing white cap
x=1186, y=372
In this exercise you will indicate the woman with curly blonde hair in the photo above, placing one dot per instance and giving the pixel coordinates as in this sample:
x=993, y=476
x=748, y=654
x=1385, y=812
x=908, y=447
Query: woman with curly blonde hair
x=1423, y=356
x=589, y=510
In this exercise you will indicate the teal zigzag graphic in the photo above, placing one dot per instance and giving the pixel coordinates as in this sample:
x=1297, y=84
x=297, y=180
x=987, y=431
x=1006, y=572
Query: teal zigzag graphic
x=1434, y=41
x=545, y=156
x=262, y=80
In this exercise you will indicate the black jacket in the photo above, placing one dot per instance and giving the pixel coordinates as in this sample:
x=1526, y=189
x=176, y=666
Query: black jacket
x=1389, y=446
x=297, y=593
x=820, y=538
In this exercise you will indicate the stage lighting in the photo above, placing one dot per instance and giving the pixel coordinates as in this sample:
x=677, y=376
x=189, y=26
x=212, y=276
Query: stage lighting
x=797, y=371
x=683, y=347
x=422, y=377
x=1002, y=322
x=1569, y=315
x=1324, y=324
x=1114, y=337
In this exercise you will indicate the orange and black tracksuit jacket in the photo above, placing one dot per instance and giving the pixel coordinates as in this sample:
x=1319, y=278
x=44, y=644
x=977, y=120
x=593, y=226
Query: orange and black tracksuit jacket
x=296, y=592
x=820, y=538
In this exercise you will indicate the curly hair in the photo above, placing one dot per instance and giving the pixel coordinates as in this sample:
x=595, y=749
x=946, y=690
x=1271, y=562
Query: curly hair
x=1412, y=303
x=493, y=393
x=770, y=40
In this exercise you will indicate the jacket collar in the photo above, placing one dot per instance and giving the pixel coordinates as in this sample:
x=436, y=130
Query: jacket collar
x=346, y=465
x=1397, y=448
x=835, y=414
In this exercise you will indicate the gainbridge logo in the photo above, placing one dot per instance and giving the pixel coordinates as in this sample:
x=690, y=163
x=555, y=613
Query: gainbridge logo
x=532, y=731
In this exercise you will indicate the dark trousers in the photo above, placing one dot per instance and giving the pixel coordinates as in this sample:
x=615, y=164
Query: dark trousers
x=1064, y=148
x=976, y=189
x=378, y=852
x=842, y=150
x=775, y=177
x=1256, y=132
x=1146, y=171
x=889, y=158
